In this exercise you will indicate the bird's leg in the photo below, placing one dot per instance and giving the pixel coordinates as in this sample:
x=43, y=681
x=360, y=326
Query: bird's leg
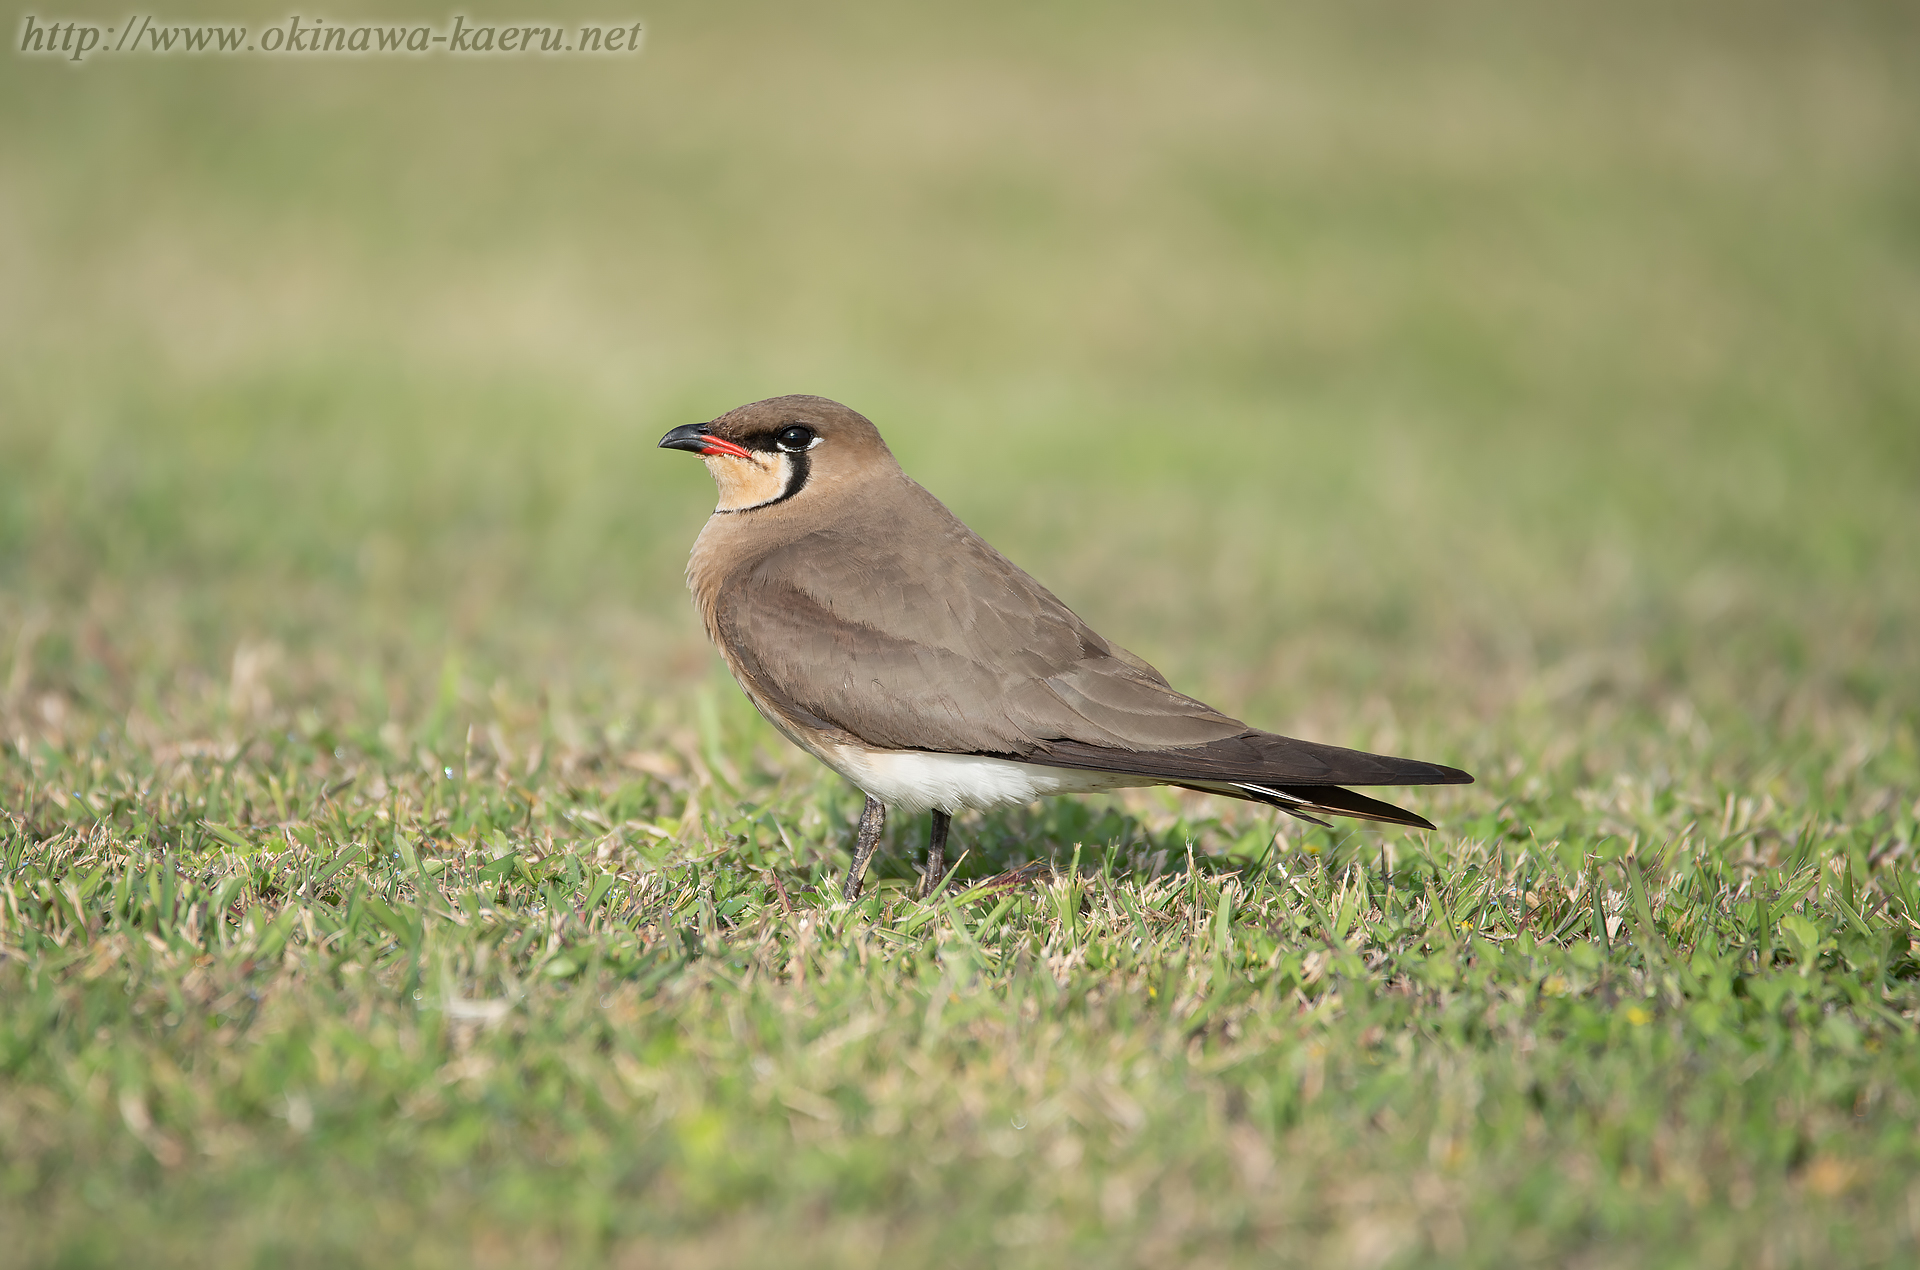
x=873, y=818
x=936, y=853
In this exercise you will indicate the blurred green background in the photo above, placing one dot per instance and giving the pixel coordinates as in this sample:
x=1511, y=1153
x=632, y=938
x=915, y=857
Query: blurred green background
x=1528, y=386
x=1367, y=366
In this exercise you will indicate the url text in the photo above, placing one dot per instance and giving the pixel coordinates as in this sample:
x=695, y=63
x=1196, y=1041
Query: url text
x=78, y=40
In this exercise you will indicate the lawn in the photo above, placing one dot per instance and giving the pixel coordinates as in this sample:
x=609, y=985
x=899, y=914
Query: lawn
x=390, y=874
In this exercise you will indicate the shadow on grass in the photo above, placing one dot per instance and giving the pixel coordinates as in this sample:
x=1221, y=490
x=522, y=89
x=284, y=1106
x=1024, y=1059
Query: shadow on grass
x=1105, y=837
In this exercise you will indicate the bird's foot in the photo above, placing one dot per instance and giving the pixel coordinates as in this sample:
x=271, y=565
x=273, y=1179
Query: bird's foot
x=936, y=869
x=873, y=818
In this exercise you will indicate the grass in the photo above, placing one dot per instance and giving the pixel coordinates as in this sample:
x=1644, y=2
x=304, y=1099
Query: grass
x=309, y=998
x=390, y=876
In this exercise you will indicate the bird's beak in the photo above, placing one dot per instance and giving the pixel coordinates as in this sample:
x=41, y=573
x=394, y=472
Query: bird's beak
x=696, y=438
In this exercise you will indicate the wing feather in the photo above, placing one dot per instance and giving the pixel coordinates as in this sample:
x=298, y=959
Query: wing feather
x=843, y=631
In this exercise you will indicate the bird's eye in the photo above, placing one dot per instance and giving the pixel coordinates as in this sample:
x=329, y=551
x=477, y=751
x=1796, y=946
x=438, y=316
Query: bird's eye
x=794, y=439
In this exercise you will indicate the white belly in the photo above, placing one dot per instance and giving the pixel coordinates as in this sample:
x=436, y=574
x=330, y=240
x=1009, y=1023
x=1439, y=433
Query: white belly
x=913, y=781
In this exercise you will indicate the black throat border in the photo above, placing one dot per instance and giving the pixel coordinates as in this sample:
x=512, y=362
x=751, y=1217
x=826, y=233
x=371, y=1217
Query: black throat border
x=798, y=469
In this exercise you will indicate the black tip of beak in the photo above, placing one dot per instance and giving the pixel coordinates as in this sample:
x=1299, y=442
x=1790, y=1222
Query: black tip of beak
x=688, y=436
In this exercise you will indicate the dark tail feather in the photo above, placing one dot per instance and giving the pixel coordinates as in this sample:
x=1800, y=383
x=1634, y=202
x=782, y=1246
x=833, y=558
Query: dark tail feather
x=1328, y=800
x=1298, y=777
x=1265, y=759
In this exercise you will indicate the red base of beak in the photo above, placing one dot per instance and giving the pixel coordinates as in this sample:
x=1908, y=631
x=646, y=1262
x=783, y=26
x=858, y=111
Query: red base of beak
x=695, y=438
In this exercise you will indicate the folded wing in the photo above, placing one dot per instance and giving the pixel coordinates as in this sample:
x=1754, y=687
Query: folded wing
x=843, y=632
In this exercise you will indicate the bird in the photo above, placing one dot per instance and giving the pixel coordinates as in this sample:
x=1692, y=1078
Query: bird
x=882, y=636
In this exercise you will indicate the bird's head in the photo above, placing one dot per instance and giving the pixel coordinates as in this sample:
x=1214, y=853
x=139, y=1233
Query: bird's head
x=780, y=449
